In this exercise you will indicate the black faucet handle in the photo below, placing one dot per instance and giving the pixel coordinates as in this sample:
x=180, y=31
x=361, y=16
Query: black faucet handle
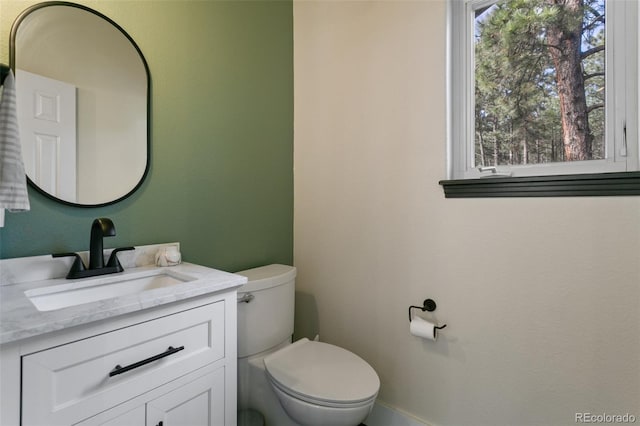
x=77, y=266
x=113, y=259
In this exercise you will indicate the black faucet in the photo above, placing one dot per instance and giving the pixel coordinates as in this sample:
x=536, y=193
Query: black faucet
x=100, y=228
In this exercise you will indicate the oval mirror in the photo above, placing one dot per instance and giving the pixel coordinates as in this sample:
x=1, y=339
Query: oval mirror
x=82, y=87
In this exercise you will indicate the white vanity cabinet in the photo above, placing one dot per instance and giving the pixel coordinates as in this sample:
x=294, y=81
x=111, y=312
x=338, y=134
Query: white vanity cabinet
x=171, y=365
x=193, y=404
x=200, y=402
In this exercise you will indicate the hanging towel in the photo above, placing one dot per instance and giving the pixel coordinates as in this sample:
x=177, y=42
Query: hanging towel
x=13, y=181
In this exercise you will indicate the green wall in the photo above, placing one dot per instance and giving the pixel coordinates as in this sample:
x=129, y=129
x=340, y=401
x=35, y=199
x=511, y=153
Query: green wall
x=221, y=177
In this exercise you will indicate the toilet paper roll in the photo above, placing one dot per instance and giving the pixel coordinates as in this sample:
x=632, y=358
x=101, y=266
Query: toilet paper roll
x=423, y=328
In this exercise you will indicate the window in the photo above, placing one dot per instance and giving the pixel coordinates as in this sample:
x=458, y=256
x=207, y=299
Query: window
x=543, y=87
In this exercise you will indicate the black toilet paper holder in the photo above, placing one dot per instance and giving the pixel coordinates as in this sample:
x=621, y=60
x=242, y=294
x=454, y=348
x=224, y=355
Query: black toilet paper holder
x=428, y=305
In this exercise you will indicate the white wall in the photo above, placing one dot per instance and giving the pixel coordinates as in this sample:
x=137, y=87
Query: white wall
x=541, y=296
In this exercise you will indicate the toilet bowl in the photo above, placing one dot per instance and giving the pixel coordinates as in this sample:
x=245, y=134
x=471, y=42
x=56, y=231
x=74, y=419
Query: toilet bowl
x=322, y=384
x=302, y=383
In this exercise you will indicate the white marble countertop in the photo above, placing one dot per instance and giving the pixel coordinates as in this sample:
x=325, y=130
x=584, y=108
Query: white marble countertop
x=19, y=318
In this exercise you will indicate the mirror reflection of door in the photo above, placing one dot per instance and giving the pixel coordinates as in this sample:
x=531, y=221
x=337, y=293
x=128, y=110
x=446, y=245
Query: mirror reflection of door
x=77, y=45
x=47, y=121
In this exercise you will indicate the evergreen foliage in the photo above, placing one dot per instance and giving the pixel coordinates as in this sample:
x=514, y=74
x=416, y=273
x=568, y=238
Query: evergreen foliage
x=534, y=62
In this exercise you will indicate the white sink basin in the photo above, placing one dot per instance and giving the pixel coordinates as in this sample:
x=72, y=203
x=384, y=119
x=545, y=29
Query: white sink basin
x=103, y=287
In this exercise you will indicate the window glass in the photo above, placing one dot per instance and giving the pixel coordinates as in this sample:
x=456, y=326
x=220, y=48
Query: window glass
x=539, y=82
x=543, y=87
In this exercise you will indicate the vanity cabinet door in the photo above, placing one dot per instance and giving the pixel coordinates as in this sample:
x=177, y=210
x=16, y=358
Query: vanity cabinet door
x=198, y=403
x=135, y=417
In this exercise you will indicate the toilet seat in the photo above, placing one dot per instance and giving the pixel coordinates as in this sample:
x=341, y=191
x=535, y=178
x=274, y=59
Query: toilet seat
x=322, y=374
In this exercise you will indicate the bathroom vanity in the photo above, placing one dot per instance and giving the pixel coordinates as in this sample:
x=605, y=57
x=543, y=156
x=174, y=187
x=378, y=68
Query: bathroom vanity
x=149, y=346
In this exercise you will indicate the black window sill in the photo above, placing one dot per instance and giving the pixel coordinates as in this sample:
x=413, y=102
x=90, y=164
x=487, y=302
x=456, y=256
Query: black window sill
x=582, y=185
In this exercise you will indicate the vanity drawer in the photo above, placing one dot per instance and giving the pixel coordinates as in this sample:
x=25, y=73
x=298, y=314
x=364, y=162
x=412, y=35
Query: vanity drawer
x=68, y=383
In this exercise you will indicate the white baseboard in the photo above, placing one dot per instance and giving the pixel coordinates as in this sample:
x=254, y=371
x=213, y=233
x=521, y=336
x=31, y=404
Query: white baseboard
x=384, y=415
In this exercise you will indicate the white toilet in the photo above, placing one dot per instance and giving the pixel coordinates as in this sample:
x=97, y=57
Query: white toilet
x=303, y=383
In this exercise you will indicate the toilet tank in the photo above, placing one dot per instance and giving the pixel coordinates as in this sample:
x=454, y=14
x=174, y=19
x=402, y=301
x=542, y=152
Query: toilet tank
x=265, y=319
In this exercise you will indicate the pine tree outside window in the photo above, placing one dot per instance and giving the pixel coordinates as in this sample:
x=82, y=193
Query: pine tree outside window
x=542, y=87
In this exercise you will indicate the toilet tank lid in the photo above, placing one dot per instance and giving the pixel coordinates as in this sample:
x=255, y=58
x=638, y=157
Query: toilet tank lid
x=265, y=277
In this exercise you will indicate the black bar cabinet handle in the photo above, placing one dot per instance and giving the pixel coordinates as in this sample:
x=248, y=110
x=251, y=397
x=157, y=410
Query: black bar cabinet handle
x=119, y=370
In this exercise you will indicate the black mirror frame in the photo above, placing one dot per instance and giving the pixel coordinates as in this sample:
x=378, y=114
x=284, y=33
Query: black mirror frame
x=12, y=64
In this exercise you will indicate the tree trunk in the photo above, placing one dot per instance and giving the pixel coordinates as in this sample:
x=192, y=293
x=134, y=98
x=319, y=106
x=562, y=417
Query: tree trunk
x=564, y=37
x=481, y=136
x=496, y=150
